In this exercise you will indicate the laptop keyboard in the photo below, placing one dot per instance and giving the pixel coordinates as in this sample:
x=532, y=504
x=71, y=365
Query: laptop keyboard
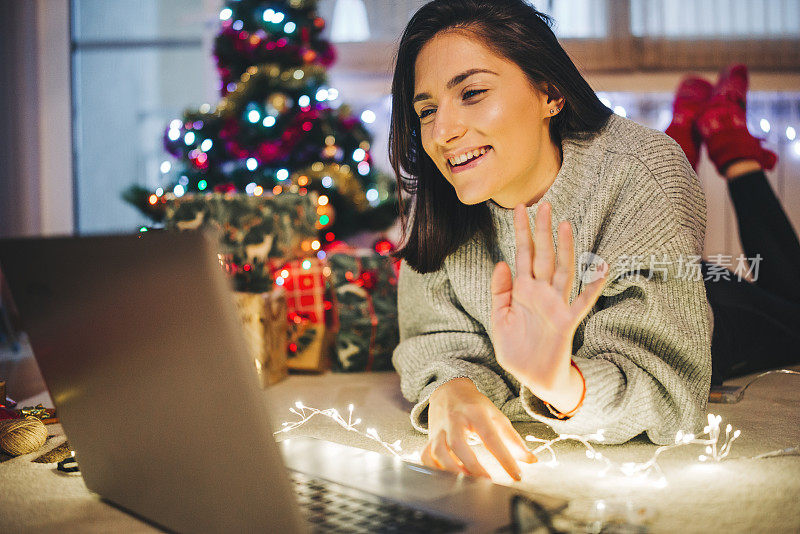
x=330, y=507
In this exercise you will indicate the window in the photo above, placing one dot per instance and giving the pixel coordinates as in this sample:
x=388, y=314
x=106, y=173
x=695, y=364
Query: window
x=136, y=65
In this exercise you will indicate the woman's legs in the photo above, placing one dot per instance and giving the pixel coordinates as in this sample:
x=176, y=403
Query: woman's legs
x=755, y=324
x=765, y=230
x=754, y=329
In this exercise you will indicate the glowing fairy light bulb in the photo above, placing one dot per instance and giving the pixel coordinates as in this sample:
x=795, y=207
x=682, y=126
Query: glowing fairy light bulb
x=327, y=182
x=368, y=116
x=321, y=95
x=254, y=116
x=189, y=138
x=269, y=121
x=179, y=190
x=165, y=167
x=791, y=133
x=174, y=134
x=282, y=174
x=252, y=164
x=304, y=100
x=175, y=124
x=289, y=27
x=159, y=191
x=765, y=125
x=359, y=154
x=225, y=14
x=206, y=145
x=250, y=188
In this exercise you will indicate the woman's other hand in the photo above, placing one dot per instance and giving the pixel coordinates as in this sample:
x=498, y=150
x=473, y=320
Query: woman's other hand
x=457, y=409
x=533, y=322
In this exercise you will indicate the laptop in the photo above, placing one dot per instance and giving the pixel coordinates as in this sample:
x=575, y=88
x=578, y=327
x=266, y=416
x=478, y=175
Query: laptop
x=138, y=339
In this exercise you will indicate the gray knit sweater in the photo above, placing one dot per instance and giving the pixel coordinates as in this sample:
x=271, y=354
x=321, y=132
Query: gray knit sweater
x=644, y=349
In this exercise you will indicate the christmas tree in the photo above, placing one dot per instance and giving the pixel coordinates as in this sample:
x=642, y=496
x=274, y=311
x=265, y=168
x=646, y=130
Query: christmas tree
x=277, y=128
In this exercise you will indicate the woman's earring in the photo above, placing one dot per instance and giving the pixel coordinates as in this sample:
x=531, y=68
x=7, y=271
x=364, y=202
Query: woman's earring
x=552, y=111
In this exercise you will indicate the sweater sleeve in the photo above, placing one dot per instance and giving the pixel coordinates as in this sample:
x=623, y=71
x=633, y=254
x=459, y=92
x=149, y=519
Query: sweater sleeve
x=645, y=348
x=439, y=341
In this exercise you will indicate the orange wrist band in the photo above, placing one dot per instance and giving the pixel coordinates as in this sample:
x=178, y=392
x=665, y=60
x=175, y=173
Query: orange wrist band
x=572, y=412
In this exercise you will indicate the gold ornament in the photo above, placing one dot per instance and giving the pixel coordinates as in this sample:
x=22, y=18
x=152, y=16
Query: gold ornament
x=330, y=151
x=271, y=76
x=343, y=179
x=278, y=101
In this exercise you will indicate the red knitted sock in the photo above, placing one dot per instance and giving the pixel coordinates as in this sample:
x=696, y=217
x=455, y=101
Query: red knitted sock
x=690, y=100
x=723, y=124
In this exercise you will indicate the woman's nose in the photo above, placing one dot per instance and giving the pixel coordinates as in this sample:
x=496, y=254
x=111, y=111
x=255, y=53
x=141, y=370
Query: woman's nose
x=448, y=126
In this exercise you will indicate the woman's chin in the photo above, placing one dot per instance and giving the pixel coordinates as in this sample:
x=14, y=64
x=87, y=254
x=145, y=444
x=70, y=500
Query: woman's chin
x=471, y=197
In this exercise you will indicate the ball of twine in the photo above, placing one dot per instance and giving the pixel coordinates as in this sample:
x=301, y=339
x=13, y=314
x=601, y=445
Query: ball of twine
x=21, y=436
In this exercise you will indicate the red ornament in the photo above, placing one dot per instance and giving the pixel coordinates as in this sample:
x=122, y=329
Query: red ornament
x=368, y=279
x=309, y=56
x=384, y=247
x=225, y=188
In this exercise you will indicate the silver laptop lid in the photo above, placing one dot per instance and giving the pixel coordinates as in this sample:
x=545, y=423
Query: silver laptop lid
x=138, y=341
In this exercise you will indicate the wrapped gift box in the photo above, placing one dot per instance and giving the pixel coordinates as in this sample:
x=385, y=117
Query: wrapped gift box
x=305, y=284
x=263, y=316
x=365, y=301
x=255, y=232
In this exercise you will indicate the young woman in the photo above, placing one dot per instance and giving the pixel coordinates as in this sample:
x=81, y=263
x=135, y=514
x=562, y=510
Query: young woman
x=493, y=128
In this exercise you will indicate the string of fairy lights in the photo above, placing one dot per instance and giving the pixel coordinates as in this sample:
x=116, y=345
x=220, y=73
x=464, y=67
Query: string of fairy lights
x=716, y=444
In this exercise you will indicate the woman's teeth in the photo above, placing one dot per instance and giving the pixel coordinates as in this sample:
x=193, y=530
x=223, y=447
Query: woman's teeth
x=463, y=158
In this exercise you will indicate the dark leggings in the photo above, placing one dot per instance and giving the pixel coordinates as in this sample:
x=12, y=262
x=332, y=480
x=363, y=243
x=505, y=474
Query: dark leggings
x=757, y=325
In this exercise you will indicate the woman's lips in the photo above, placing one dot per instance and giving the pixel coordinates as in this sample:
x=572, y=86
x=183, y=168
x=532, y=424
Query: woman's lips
x=474, y=162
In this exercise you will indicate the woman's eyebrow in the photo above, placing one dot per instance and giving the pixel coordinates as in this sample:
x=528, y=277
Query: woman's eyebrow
x=455, y=80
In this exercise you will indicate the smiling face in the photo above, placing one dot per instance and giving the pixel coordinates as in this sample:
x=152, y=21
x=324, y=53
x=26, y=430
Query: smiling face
x=482, y=122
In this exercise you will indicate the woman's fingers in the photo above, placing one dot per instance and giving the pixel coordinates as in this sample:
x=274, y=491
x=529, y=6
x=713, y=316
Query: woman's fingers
x=426, y=458
x=544, y=261
x=501, y=287
x=495, y=445
x=562, y=279
x=516, y=444
x=466, y=455
x=524, y=242
x=584, y=302
x=441, y=453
